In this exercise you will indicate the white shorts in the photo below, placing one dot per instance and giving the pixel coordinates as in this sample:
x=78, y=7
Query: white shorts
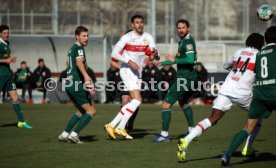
x=224, y=103
x=130, y=78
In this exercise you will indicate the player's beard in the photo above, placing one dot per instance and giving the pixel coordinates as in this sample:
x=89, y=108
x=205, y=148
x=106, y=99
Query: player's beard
x=84, y=43
x=182, y=35
x=139, y=30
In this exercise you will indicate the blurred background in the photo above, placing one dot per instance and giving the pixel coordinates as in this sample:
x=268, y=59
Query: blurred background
x=45, y=28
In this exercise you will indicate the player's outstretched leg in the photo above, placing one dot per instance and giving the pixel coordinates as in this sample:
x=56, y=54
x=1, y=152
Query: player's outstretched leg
x=201, y=127
x=184, y=142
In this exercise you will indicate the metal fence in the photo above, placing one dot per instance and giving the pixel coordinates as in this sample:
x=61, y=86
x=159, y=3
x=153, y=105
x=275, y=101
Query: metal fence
x=210, y=19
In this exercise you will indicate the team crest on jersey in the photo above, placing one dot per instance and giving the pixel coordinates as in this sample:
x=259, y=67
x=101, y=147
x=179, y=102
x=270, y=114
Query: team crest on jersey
x=145, y=41
x=189, y=47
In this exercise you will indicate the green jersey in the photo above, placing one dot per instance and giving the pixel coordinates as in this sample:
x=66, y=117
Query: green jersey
x=4, y=54
x=75, y=52
x=266, y=73
x=186, y=55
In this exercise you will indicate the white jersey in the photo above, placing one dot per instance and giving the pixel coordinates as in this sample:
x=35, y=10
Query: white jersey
x=134, y=47
x=240, y=80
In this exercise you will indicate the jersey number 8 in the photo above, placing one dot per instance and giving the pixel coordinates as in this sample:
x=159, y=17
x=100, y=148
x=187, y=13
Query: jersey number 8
x=264, y=70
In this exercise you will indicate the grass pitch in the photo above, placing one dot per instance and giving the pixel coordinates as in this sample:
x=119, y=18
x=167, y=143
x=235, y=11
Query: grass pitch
x=39, y=146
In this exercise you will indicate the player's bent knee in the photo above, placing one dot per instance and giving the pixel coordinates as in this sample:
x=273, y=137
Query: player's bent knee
x=14, y=97
x=166, y=105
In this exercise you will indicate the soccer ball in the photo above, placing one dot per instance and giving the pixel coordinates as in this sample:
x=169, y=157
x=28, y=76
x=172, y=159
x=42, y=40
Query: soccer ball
x=265, y=12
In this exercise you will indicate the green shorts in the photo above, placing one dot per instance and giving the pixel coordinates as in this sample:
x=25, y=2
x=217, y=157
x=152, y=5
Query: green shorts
x=79, y=97
x=7, y=83
x=261, y=108
x=182, y=88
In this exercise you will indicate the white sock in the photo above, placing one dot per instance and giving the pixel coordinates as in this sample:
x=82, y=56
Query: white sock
x=117, y=119
x=64, y=134
x=164, y=133
x=190, y=129
x=198, y=130
x=74, y=134
x=129, y=109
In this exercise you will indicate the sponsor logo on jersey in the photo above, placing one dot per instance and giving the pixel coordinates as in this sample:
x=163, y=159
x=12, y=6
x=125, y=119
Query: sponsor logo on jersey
x=145, y=41
x=235, y=78
x=136, y=48
x=247, y=53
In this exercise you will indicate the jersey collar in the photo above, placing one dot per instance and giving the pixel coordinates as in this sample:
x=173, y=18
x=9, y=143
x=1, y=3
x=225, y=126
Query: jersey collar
x=3, y=41
x=270, y=44
x=78, y=43
x=187, y=36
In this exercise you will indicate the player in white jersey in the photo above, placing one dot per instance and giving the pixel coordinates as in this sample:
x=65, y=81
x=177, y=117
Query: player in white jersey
x=135, y=45
x=236, y=89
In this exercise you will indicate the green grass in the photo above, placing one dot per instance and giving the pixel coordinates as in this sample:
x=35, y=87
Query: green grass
x=39, y=147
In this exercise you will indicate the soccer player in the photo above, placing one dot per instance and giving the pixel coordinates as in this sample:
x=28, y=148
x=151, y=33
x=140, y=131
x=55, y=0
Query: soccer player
x=6, y=75
x=264, y=93
x=185, y=60
x=125, y=98
x=80, y=95
x=237, y=89
x=134, y=45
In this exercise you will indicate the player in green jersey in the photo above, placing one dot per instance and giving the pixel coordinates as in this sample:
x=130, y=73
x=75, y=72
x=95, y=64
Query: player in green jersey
x=264, y=93
x=79, y=88
x=186, y=73
x=6, y=75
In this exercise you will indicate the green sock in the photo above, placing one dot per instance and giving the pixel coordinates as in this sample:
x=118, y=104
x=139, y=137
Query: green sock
x=86, y=118
x=236, y=142
x=166, y=119
x=72, y=122
x=17, y=108
x=188, y=112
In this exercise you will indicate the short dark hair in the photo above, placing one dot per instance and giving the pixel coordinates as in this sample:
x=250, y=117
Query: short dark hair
x=270, y=35
x=3, y=27
x=255, y=40
x=136, y=17
x=40, y=60
x=23, y=62
x=184, y=21
x=80, y=29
